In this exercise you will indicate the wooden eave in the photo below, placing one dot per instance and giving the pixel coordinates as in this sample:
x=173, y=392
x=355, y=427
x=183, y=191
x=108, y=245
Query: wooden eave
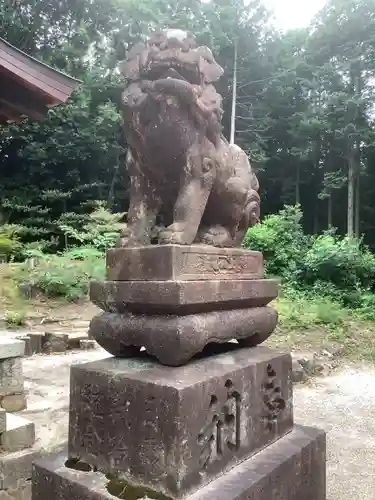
x=28, y=87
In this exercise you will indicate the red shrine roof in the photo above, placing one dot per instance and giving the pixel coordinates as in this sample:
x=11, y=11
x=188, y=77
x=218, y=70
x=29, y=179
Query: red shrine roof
x=28, y=87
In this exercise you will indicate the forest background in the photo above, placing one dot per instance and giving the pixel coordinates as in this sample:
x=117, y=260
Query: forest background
x=304, y=112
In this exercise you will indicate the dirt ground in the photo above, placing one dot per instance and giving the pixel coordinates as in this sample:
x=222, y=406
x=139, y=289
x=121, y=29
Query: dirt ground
x=342, y=403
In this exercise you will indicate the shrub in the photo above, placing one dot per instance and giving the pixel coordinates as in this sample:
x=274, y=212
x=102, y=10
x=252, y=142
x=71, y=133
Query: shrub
x=281, y=239
x=342, y=262
x=15, y=319
x=331, y=266
x=64, y=275
x=9, y=243
x=99, y=229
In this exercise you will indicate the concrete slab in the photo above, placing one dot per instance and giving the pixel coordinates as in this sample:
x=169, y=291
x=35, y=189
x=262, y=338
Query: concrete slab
x=11, y=348
x=19, y=434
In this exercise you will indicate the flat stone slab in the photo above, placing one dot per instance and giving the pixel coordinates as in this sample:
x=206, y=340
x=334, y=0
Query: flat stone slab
x=180, y=262
x=181, y=297
x=293, y=468
x=11, y=376
x=173, y=339
x=11, y=348
x=14, y=402
x=176, y=429
x=19, y=434
x=16, y=468
x=3, y=420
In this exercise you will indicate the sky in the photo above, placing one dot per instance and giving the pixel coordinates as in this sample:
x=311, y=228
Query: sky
x=290, y=14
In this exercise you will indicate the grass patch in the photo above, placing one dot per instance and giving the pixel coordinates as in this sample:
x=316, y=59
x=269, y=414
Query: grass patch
x=13, y=308
x=15, y=319
x=308, y=322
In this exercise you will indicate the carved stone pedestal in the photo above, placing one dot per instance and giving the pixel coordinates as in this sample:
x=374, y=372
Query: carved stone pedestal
x=218, y=428
x=174, y=300
x=175, y=430
x=293, y=468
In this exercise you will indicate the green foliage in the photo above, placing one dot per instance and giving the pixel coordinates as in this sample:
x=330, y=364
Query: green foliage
x=9, y=241
x=281, y=239
x=340, y=268
x=15, y=319
x=66, y=275
x=342, y=262
x=305, y=309
x=99, y=229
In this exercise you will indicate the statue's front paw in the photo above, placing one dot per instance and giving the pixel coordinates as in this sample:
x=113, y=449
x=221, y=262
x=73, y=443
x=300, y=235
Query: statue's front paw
x=123, y=239
x=175, y=234
x=216, y=236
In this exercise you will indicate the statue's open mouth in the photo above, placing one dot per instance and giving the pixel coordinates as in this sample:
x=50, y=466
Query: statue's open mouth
x=171, y=68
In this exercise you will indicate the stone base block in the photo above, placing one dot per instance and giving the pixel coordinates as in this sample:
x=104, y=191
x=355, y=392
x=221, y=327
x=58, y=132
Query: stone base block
x=19, y=434
x=3, y=420
x=293, y=468
x=16, y=468
x=21, y=492
x=181, y=297
x=182, y=262
x=13, y=402
x=55, y=342
x=11, y=375
x=174, y=340
x=175, y=429
x=11, y=348
x=33, y=342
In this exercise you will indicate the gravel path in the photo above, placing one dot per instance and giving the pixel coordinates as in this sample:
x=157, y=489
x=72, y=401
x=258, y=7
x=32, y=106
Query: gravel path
x=343, y=404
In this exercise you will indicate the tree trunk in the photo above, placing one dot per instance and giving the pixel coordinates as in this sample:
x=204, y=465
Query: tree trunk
x=316, y=221
x=329, y=213
x=298, y=181
x=351, y=167
x=65, y=209
x=357, y=206
x=234, y=95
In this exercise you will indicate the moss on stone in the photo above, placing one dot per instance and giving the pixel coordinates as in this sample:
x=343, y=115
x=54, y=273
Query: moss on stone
x=122, y=489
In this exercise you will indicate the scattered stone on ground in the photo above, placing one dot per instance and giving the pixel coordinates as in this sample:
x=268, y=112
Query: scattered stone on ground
x=49, y=341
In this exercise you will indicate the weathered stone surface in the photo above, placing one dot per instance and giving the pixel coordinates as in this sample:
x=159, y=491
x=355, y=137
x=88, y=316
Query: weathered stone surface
x=181, y=297
x=185, y=263
x=16, y=467
x=176, y=429
x=174, y=340
x=55, y=342
x=33, y=342
x=298, y=373
x=183, y=171
x=3, y=420
x=76, y=338
x=87, y=344
x=13, y=402
x=36, y=342
x=19, y=434
x=11, y=348
x=26, y=340
x=11, y=376
x=21, y=492
x=293, y=468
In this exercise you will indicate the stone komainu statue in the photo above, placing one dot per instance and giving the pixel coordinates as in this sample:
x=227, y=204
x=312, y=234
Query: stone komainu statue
x=182, y=169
